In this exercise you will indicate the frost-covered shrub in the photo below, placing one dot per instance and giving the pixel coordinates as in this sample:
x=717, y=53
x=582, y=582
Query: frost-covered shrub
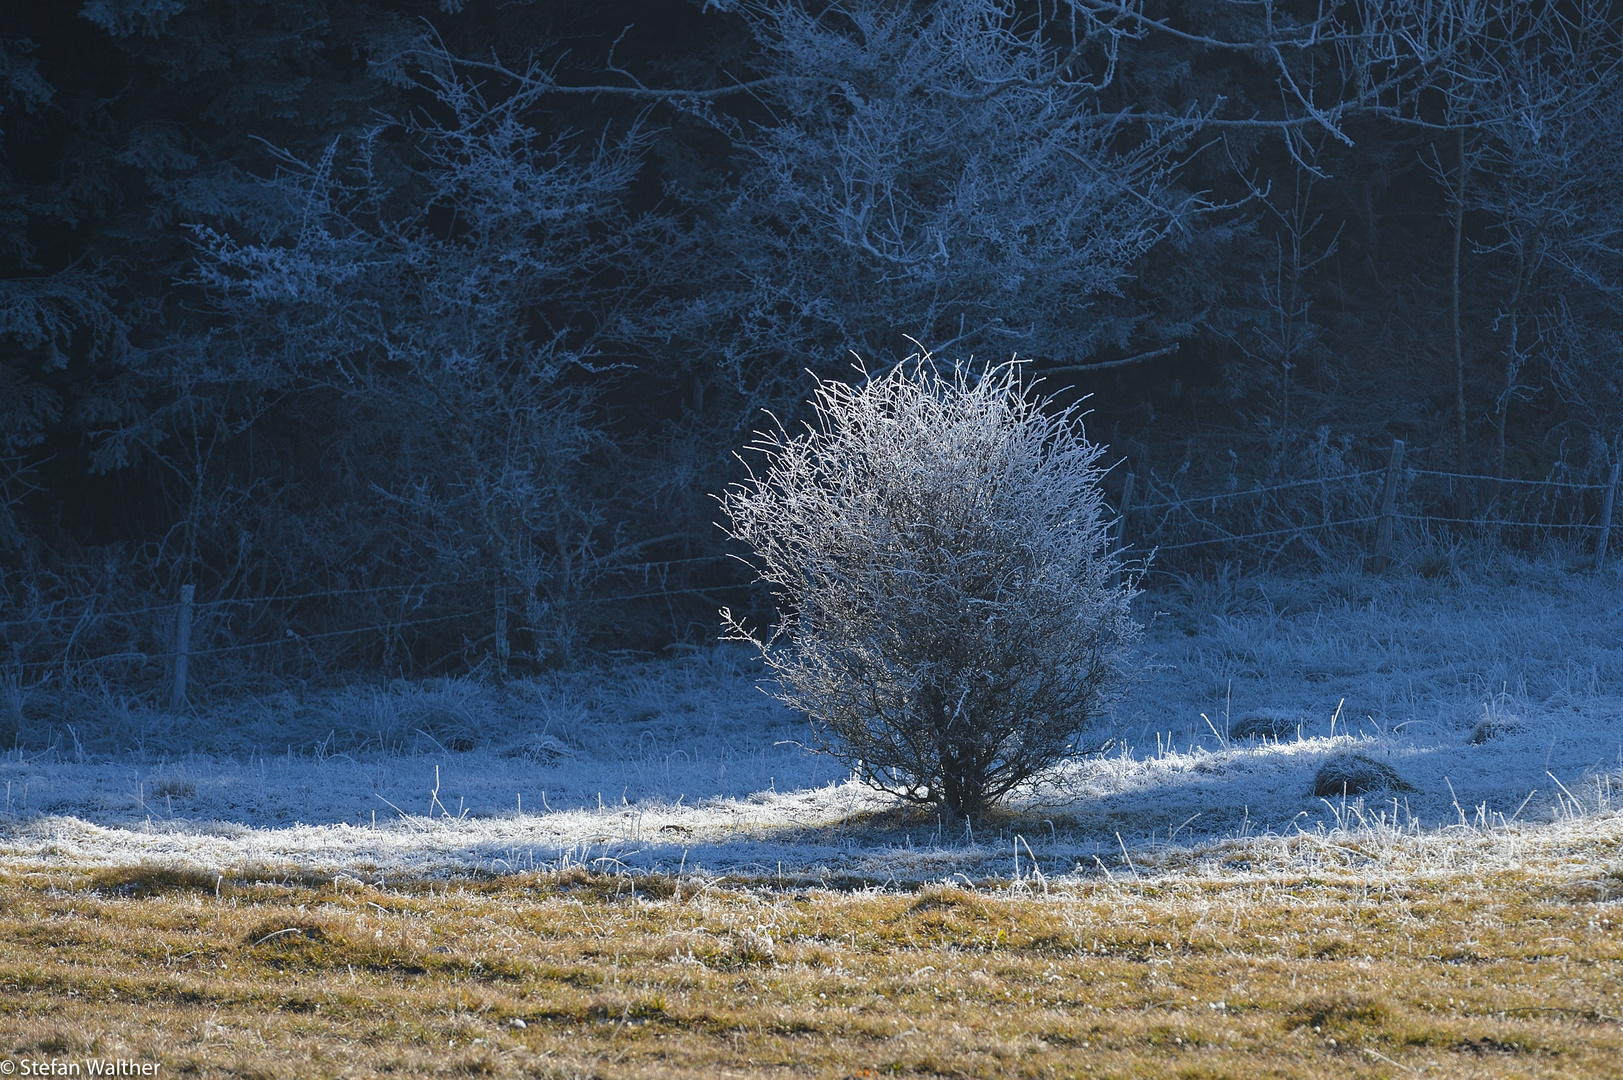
x=950, y=611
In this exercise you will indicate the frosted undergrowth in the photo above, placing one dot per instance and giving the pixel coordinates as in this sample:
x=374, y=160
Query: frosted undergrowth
x=1497, y=697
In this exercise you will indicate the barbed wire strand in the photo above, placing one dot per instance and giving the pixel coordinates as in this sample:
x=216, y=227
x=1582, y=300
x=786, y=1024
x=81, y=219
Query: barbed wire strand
x=1505, y=479
x=1146, y=507
x=1498, y=523
x=201, y=605
x=294, y=638
x=88, y=614
x=225, y=602
x=1292, y=531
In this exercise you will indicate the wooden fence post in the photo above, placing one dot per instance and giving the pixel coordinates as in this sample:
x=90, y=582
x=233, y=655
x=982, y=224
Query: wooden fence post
x=1121, y=511
x=1606, y=515
x=502, y=647
x=1389, y=496
x=183, y=645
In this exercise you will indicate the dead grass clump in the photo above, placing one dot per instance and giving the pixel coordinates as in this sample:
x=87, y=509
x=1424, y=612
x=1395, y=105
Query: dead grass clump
x=385, y=945
x=643, y=1008
x=482, y=1064
x=262, y=934
x=730, y=950
x=298, y=946
x=1331, y=949
x=152, y=880
x=241, y=1070
x=1338, y=1014
x=1593, y=891
x=936, y=897
x=58, y=1042
x=173, y=786
x=1436, y=564
x=1356, y=774
x=578, y=881
x=749, y=947
x=1276, y=724
x=1494, y=1046
x=655, y=887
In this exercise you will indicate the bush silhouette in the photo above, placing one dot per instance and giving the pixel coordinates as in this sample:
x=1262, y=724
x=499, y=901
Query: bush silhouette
x=950, y=613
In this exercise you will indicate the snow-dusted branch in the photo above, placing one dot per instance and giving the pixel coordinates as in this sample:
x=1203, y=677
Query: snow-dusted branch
x=951, y=614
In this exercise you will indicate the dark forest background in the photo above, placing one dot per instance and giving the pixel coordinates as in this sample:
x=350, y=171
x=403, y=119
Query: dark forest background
x=371, y=319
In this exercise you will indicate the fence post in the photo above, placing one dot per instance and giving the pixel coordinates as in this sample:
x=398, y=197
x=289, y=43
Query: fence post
x=1389, y=497
x=1121, y=511
x=183, y=645
x=1606, y=515
x=502, y=648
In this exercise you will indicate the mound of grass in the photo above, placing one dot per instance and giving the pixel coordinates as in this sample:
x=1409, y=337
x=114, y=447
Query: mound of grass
x=1356, y=774
x=147, y=879
x=1266, y=724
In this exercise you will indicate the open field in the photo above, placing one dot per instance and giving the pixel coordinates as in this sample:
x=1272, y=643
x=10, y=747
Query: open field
x=1460, y=975
x=647, y=867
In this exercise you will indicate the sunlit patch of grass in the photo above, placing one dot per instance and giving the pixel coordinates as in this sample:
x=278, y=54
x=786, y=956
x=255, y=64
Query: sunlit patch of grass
x=579, y=974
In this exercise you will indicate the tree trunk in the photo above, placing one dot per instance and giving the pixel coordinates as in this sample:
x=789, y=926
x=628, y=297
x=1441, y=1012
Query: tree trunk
x=1502, y=414
x=1525, y=269
x=963, y=789
x=1461, y=457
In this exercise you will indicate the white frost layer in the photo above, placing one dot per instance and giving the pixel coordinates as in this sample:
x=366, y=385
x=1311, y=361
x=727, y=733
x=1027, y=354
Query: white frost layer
x=1499, y=699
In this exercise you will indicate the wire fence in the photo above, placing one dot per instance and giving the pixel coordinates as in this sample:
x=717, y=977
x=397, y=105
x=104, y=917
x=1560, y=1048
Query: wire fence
x=1341, y=514
x=1345, y=513
x=1241, y=493
x=420, y=626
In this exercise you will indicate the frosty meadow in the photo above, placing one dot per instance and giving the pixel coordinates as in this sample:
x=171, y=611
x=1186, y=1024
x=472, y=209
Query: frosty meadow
x=642, y=872
x=941, y=751
x=463, y=613
x=956, y=646
x=1490, y=693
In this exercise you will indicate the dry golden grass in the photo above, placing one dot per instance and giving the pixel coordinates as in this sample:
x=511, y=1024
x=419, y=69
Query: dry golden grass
x=1472, y=976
